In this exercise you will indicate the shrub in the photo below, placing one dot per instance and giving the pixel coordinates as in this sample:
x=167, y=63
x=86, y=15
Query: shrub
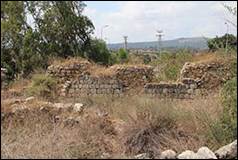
x=223, y=129
x=113, y=58
x=170, y=64
x=43, y=86
x=123, y=55
x=220, y=42
x=229, y=101
x=98, y=52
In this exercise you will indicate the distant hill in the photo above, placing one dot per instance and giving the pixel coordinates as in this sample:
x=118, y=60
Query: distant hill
x=192, y=43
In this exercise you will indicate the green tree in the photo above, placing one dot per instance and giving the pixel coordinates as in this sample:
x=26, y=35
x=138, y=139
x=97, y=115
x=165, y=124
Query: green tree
x=59, y=29
x=13, y=27
x=64, y=30
x=97, y=51
x=220, y=42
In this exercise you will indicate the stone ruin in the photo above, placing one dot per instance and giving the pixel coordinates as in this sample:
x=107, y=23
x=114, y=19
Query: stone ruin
x=81, y=78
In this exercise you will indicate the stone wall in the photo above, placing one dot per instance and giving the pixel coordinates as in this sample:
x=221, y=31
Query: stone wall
x=66, y=72
x=173, y=90
x=134, y=76
x=90, y=85
x=195, y=78
x=84, y=78
x=210, y=75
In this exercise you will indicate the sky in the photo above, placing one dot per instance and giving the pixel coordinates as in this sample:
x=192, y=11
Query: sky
x=139, y=20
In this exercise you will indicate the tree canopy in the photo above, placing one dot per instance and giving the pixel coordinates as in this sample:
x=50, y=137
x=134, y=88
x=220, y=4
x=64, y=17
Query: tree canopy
x=57, y=28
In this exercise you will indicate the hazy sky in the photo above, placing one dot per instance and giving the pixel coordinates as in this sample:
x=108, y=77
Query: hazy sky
x=139, y=20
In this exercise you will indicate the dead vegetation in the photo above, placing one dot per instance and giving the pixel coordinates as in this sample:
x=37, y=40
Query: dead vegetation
x=125, y=126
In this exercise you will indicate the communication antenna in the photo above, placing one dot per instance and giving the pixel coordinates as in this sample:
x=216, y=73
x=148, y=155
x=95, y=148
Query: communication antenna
x=159, y=34
x=125, y=42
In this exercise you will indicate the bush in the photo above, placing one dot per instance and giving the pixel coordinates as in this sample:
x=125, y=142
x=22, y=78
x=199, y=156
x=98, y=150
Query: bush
x=98, y=52
x=123, y=55
x=229, y=101
x=113, y=58
x=220, y=42
x=43, y=86
x=223, y=130
x=170, y=64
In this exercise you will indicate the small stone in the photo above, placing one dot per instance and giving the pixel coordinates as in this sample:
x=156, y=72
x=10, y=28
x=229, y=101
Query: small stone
x=78, y=107
x=168, y=154
x=190, y=91
x=142, y=156
x=30, y=99
x=105, y=155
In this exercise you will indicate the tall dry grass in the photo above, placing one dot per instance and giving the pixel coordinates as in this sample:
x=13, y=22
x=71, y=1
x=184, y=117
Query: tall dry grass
x=129, y=125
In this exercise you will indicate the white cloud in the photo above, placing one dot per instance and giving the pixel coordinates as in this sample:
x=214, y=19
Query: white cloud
x=140, y=20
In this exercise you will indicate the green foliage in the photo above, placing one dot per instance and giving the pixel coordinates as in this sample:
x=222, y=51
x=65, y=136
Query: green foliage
x=122, y=55
x=12, y=31
x=229, y=101
x=113, y=58
x=98, y=51
x=43, y=86
x=64, y=30
x=220, y=42
x=170, y=64
x=59, y=29
x=224, y=129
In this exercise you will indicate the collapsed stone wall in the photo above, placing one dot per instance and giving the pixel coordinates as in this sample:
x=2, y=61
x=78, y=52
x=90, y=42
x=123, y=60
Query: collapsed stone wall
x=195, y=78
x=82, y=78
x=69, y=72
x=133, y=76
x=210, y=75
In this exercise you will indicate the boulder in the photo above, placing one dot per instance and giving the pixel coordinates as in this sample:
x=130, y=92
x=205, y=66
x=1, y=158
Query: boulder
x=206, y=153
x=188, y=155
x=168, y=154
x=229, y=151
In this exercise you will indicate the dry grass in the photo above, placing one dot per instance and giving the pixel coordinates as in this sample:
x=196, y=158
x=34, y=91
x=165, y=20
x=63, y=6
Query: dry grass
x=98, y=70
x=66, y=61
x=130, y=125
x=218, y=56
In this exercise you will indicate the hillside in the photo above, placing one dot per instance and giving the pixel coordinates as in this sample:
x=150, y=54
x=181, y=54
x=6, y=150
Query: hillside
x=193, y=43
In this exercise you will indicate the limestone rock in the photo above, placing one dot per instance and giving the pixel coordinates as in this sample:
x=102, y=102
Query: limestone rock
x=78, y=107
x=228, y=151
x=168, y=154
x=30, y=99
x=206, y=153
x=142, y=156
x=188, y=155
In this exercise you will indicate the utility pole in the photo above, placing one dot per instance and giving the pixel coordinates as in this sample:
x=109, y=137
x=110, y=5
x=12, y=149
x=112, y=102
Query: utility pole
x=159, y=35
x=102, y=31
x=125, y=42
